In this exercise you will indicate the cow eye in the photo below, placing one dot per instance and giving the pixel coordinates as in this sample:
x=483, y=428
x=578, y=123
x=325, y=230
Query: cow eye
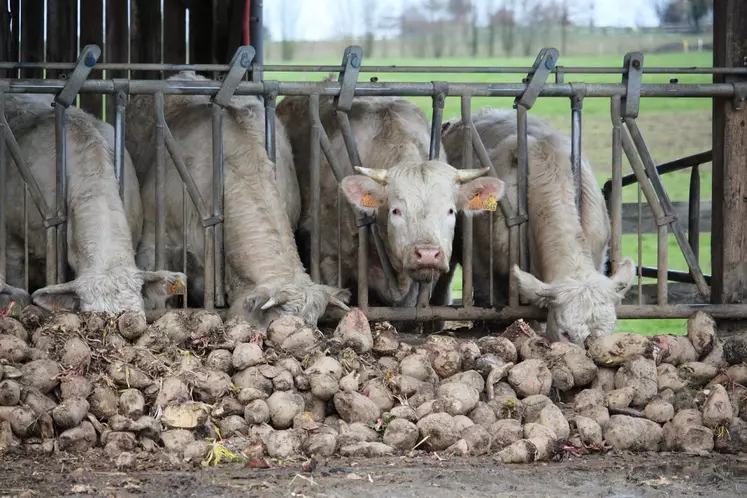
x=566, y=335
x=451, y=211
x=396, y=212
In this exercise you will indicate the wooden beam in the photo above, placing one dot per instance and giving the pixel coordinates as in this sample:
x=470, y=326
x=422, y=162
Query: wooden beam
x=201, y=28
x=729, y=242
x=648, y=222
x=175, y=37
x=32, y=36
x=62, y=33
x=145, y=36
x=677, y=293
x=117, y=46
x=92, y=32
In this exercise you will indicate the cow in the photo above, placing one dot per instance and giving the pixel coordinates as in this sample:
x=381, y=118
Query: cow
x=568, y=252
x=10, y=294
x=414, y=200
x=264, y=275
x=102, y=233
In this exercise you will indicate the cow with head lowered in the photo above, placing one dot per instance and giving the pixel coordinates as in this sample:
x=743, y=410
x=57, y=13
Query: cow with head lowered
x=264, y=275
x=102, y=232
x=567, y=245
x=414, y=200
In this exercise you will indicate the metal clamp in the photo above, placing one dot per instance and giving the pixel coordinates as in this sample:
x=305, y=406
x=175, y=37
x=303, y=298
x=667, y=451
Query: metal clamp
x=54, y=221
x=633, y=64
x=440, y=91
x=270, y=92
x=666, y=219
x=211, y=221
x=352, y=59
x=239, y=65
x=740, y=94
x=536, y=79
x=83, y=66
x=365, y=220
x=516, y=220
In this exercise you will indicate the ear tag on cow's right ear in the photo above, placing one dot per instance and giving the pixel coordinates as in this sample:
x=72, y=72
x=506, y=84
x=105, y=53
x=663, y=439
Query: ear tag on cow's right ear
x=176, y=289
x=491, y=204
x=475, y=204
x=369, y=201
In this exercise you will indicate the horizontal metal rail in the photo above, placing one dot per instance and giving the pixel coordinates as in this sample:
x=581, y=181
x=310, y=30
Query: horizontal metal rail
x=669, y=167
x=308, y=68
x=171, y=87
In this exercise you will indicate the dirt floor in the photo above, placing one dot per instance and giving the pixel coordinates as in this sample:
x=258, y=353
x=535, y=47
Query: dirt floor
x=620, y=476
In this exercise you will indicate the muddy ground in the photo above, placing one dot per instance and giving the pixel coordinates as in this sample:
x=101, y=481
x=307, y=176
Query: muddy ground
x=620, y=476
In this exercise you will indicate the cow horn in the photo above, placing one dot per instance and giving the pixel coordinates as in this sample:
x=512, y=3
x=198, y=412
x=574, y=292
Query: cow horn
x=465, y=175
x=336, y=302
x=379, y=175
x=269, y=304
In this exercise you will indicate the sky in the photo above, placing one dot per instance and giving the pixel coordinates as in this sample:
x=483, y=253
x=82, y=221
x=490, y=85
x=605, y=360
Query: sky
x=322, y=19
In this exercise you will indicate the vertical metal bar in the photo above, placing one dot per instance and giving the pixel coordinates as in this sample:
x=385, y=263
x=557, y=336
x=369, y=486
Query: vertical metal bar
x=363, y=268
x=616, y=193
x=119, y=142
x=315, y=188
x=61, y=191
x=522, y=185
x=26, y=238
x=160, y=192
x=468, y=299
x=218, y=186
x=339, y=238
x=436, y=120
x=576, y=105
x=209, y=290
x=270, y=128
x=3, y=197
x=185, y=241
x=693, y=214
x=348, y=138
x=662, y=265
x=256, y=27
x=424, y=294
x=640, y=245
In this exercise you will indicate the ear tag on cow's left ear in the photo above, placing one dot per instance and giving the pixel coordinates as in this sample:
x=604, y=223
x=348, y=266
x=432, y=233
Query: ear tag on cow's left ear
x=490, y=204
x=176, y=289
x=475, y=203
x=369, y=201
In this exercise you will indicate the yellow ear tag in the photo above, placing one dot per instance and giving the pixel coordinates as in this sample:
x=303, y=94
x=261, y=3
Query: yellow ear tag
x=475, y=204
x=176, y=289
x=368, y=201
x=491, y=204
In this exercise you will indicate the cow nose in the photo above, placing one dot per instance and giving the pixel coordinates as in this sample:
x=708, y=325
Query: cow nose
x=428, y=256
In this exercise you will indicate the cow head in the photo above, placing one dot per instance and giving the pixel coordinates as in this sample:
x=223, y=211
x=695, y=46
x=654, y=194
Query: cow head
x=578, y=308
x=113, y=292
x=306, y=300
x=10, y=294
x=419, y=203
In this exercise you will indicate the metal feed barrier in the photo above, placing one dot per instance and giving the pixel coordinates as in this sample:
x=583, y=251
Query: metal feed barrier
x=626, y=137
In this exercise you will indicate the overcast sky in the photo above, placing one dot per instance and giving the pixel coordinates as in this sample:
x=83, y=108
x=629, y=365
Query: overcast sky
x=321, y=19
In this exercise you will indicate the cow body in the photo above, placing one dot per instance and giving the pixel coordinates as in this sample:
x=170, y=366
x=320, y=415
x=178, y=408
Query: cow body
x=102, y=233
x=414, y=200
x=568, y=252
x=264, y=275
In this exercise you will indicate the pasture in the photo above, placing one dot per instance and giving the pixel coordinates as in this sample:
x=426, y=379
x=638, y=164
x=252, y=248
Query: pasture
x=672, y=127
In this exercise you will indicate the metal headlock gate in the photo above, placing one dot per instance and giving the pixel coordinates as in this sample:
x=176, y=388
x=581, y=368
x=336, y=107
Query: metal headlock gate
x=624, y=100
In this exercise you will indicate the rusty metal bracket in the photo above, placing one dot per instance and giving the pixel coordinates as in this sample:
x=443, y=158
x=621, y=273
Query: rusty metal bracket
x=536, y=79
x=740, y=94
x=83, y=66
x=352, y=59
x=516, y=220
x=238, y=67
x=632, y=77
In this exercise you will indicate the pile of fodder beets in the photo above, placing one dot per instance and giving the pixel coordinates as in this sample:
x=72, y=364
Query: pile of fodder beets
x=204, y=391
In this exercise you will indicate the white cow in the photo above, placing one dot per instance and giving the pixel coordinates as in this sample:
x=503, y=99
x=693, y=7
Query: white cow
x=415, y=200
x=101, y=236
x=567, y=254
x=264, y=275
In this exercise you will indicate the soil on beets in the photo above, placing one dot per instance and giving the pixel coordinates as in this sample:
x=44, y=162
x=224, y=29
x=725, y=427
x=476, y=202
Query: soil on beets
x=612, y=475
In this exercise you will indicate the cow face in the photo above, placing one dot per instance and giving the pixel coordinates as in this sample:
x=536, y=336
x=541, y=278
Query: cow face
x=578, y=309
x=114, y=292
x=419, y=203
x=10, y=294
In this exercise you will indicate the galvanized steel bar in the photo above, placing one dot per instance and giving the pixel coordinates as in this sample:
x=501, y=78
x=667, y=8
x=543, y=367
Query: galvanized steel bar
x=662, y=263
x=441, y=89
x=424, y=294
x=209, y=289
x=577, y=102
x=693, y=214
x=185, y=243
x=119, y=142
x=315, y=187
x=218, y=197
x=668, y=167
x=467, y=224
x=615, y=200
x=160, y=187
x=337, y=169
x=522, y=188
x=363, y=268
x=61, y=190
x=3, y=197
x=653, y=175
x=26, y=237
x=270, y=99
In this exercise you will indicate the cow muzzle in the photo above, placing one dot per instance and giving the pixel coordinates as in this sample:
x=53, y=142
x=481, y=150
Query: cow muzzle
x=426, y=263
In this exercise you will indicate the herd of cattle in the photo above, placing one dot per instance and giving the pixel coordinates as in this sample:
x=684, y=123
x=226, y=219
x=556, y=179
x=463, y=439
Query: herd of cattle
x=267, y=220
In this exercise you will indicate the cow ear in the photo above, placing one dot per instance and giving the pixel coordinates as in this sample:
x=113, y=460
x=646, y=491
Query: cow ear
x=162, y=283
x=57, y=297
x=481, y=194
x=623, y=277
x=364, y=194
x=14, y=295
x=532, y=289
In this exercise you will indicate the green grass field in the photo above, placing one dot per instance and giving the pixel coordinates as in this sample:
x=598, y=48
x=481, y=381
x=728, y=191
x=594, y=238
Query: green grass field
x=672, y=127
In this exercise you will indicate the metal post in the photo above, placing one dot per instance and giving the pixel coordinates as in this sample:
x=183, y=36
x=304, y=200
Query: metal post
x=61, y=191
x=616, y=187
x=576, y=106
x=3, y=197
x=468, y=299
x=119, y=141
x=160, y=190
x=522, y=186
x=693, y=215
x=363, y=268
x=218, y=188
x=270, y=99
x=440, y=89
x=315, y=189
x=256, y=26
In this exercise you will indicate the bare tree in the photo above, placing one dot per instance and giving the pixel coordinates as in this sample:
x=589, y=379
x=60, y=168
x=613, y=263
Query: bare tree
x=459, y=12
x=505, y=18
x=370, y=21
x=698, y=10
x=289, y=11
x=414, y=26
x=533, y=21
x=434, y=10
